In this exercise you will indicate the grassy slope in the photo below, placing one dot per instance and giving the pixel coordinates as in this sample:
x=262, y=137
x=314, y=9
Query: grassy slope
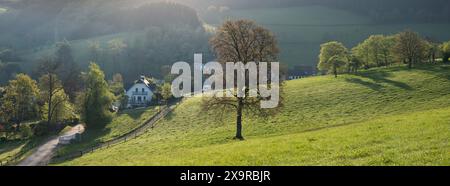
x=420, y=138
x=301, y=30
x=374, y=100
x=121, y=124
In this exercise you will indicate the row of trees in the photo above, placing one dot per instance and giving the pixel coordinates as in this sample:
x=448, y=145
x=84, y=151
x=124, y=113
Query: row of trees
x=378, y=50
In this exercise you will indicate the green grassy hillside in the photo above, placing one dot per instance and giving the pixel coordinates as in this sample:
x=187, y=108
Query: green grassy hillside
x=392, y=116
x=301, y=30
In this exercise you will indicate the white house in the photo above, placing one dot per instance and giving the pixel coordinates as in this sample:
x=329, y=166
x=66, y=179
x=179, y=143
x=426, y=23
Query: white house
x=140, y=94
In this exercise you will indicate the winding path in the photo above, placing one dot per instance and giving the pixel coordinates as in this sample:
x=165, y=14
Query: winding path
x=44, y=153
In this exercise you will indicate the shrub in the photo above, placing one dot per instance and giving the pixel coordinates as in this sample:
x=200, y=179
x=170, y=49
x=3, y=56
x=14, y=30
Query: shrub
x=40, y=129
x=25, y=131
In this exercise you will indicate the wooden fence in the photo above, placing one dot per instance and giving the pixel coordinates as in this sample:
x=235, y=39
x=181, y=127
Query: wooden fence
x=149, y=124
x=12, y=160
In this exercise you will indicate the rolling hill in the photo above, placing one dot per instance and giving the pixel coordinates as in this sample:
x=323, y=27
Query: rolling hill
x=301, y=29
x=384, y=116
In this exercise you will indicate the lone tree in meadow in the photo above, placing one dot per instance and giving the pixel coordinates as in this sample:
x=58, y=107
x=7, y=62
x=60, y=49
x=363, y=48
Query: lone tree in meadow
x=409, y=48
x=333, y=56
x=96, y=99
x=242, y=41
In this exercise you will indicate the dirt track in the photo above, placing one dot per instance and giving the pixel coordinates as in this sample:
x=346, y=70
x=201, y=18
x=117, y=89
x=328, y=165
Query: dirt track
x=44, y=153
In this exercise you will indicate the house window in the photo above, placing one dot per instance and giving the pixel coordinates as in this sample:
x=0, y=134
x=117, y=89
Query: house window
x=136, y=89
x=139, y=99
x=145, y=98
x=143, y=90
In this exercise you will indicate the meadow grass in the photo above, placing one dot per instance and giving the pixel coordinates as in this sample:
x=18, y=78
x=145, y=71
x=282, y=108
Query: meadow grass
x=396, y=103
x=420, y=138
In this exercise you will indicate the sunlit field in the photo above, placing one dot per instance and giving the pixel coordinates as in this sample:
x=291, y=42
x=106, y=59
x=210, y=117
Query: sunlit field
x=110, y=83
x=385, y=116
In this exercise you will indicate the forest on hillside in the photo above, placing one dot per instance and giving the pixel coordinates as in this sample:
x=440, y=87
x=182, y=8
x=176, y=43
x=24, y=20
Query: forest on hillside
x=135, y=37
x=35, y=23
x=381, y=11
x=121, y=38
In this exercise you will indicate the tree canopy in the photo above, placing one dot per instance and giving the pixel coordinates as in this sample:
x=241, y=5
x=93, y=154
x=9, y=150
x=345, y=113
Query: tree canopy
x=19, y=102
x=409, y=47
x=242, y=41
x=333, y=56
x=96, y=99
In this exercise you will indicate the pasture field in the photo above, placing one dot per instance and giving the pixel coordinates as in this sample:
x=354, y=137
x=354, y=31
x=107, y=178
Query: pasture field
x=384, y=116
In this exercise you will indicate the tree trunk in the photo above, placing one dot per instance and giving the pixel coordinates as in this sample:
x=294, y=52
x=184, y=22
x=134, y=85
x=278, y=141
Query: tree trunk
x=50, y=95
x=386, y=60
x=239, y=120
x=434, y=58
x=410, y=63
x=335, y=71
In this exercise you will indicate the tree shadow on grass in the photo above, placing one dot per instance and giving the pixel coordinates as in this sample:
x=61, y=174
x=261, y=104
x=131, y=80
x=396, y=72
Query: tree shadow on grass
x=373, y=86
x=439, y=70
x=382, y=77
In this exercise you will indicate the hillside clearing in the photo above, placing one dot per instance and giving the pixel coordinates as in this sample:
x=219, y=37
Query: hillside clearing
x=375, y=97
